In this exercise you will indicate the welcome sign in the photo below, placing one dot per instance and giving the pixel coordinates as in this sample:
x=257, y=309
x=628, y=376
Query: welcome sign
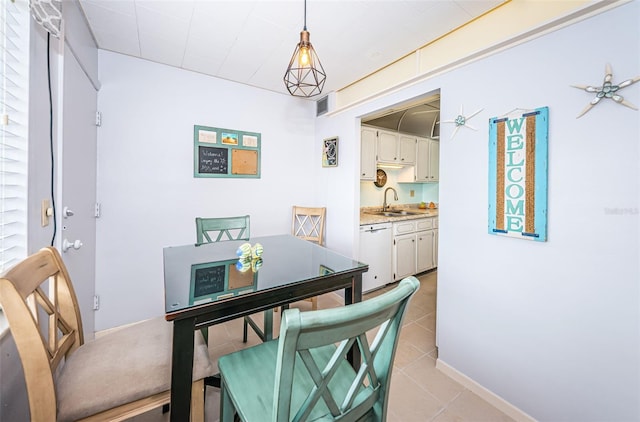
x=518, y=174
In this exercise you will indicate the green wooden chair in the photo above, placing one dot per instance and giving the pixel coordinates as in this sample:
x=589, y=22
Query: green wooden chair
x=226, y=228
x=210, y=230
x=304, y=374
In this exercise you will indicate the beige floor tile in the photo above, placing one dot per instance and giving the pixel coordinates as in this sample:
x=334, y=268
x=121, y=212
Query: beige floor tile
x=469, y=407
x=418, y=336
x=408, y=402
x=428, y=321
x=423, y=371
x=406, y=354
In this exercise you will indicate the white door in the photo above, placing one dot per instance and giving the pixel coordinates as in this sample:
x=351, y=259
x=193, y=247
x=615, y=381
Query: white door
x=78, y=186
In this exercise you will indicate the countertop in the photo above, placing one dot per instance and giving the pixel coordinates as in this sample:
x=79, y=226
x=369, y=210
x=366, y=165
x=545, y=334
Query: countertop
x=366, y=218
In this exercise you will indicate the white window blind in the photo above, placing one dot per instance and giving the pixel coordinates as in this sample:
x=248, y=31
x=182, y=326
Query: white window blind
x=14, y=73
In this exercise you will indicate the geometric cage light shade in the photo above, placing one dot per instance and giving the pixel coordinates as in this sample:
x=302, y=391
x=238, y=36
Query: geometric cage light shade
x=47, y=13
x=305, y=76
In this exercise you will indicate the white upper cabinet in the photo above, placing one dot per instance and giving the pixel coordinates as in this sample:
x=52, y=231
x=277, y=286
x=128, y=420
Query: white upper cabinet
x=368, y=138
x=394, y=148
x=406, y=149
x=427, y=163
x=387, y=147
x=434, y=160
x=419, y=157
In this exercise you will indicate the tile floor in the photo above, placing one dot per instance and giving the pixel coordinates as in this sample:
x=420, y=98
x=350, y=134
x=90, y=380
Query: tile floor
x=419, y=392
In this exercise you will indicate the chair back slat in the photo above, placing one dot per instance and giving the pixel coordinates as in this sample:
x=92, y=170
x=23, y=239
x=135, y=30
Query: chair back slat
x=209, y=230
x=311, y=338
x=43, y=343
x=308, y=223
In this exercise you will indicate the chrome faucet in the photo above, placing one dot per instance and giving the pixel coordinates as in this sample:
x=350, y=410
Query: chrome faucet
x=385, y=206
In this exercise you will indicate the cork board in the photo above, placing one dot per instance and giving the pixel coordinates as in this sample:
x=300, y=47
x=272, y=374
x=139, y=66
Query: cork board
x=239, y=279
x=244, y=161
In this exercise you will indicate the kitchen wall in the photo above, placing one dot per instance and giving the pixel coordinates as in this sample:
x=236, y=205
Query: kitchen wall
x=146, y=187
x=373, y=196
x=551, y=328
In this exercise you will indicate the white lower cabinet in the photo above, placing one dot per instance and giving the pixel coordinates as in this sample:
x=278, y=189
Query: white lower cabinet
x=404, y=256
x=414, y=243
x=424, y=251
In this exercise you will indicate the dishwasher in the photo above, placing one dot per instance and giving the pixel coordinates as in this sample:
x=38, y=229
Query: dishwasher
x=375, y=250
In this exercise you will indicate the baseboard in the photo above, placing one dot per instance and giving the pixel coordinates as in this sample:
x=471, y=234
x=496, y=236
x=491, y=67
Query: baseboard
x=487, y=395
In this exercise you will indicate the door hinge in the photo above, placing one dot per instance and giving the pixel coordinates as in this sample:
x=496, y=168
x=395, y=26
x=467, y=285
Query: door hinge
x=98, y=119
x=96, y=302
x=96, y=210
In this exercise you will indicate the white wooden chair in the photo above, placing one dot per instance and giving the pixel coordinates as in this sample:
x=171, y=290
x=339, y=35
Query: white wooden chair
x=119, y=375
x=308, y=224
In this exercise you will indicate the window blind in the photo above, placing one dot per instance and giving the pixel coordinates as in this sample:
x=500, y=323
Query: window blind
x=14, y=72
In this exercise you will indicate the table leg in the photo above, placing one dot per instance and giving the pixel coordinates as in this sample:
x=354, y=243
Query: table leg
x=268, y=325
x=181, y=369
x=353, y=294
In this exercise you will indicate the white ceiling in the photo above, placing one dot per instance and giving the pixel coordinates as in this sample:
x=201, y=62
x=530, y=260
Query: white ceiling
x=251, y=42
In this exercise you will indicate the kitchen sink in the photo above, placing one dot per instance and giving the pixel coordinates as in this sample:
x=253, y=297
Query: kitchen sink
x=393, y=213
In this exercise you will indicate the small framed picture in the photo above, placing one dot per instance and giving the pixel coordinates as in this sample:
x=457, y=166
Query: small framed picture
x=330, y=152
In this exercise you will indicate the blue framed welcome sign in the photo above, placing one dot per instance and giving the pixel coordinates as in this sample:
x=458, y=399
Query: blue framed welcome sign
x=518, y=144
x=219, y=152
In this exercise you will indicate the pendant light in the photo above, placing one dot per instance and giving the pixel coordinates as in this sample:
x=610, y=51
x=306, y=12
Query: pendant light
x=305, y=75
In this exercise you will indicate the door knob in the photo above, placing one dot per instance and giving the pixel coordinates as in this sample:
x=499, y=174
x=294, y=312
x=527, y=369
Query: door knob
x=66, y=245
x=66, y=212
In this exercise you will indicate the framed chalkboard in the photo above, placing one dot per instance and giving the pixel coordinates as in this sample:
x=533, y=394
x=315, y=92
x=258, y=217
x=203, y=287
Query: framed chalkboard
x=220, y=152
x=217, y=280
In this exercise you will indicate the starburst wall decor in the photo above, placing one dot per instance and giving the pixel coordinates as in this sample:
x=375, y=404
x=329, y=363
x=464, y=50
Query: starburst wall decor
x=607, y=90
x=461, y=120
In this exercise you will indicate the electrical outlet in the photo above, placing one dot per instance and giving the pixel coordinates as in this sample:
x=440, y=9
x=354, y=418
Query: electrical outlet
x=44, y=213
x=412, y=193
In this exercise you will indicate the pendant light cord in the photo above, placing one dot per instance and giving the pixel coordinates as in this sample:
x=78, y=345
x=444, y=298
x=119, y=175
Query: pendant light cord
x=305, y=15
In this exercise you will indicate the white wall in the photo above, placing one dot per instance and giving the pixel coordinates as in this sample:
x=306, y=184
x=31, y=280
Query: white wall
x=146, y=186
x=553, y=327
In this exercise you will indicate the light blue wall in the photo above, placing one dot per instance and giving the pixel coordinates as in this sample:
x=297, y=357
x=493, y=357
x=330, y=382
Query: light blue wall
x=551, y=327
x=372, y=196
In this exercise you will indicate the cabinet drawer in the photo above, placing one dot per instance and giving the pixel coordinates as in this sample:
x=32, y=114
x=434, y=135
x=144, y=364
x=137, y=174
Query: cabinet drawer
x=424, y=224
x=404, y=227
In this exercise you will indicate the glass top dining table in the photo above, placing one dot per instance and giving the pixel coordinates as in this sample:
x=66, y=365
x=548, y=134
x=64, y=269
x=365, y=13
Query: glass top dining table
x=208, y=284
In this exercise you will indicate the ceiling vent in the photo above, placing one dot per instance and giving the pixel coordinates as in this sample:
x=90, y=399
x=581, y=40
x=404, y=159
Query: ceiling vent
x=322, y=106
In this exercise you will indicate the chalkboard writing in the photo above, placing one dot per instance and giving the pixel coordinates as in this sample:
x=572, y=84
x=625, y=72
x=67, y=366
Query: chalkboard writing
x=213, y=160
x=208, y=280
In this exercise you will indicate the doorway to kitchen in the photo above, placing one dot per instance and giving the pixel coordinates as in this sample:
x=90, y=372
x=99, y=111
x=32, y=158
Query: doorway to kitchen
x=399, y=192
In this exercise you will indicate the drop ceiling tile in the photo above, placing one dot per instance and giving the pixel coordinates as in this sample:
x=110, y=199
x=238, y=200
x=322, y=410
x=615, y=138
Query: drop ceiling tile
x=207, y=65
x=160, y=25
x=123, y=8
x=121, y=40
x=161, y=50
x=179, y=10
